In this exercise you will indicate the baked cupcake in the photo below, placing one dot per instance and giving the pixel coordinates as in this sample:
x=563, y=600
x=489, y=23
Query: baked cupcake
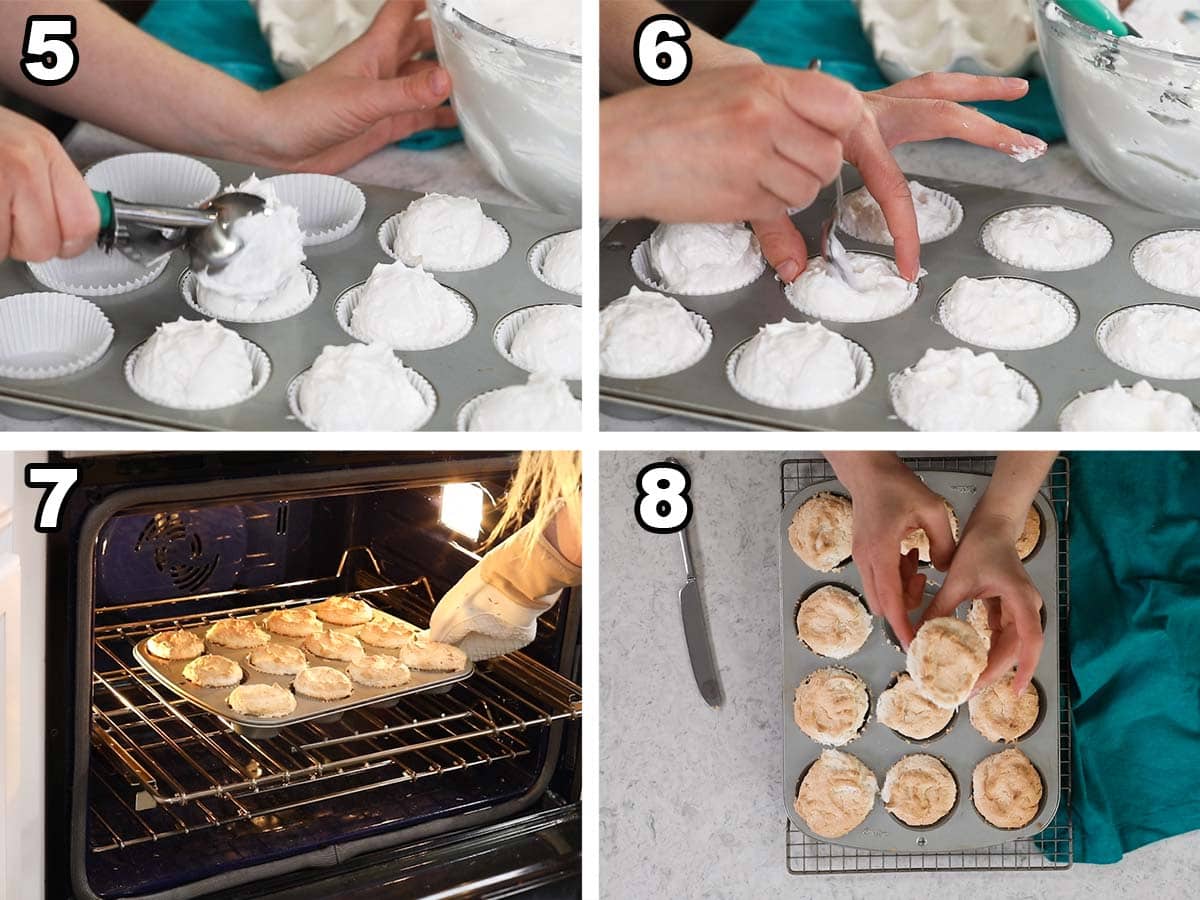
x=978, y=617
x=945, y=659
x=240, y=634
x=1031, y=532
x=906, y=711
x=263, y=701
x=342, y=609
x=833, y=622
x=822, y=531
x=919, y=790
x=323, y=683
x=278, y=659
x=432, y=656
x=831, y=706
x=299, y=622
x=178, y=644
x=213, y=671
x=1007, y=789
x=387, y=633
x=1000, y=715
x=334, y=645
x=920, y=540
x=836, y=794
x=379, y=671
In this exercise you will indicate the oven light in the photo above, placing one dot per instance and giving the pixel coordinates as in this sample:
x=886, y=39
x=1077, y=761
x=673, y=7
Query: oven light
x=462, y=509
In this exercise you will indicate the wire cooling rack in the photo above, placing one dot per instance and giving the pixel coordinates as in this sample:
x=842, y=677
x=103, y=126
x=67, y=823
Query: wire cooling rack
x=1052, y=848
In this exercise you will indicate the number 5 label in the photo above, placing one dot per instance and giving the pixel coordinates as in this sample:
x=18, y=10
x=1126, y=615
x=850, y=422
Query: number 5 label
x=660, y=50
x=663, y=505
x=48, y=56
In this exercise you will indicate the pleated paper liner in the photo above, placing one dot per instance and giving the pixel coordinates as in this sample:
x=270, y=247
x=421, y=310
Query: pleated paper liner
x=164, y=179
x=415, y=378
x=537, y=260
x=864, y=368
x=330, y=207
x=49, y=335
x=507, y=328
x=387, y=241
x=260, y=365
x=188, y=288
x=347, y=303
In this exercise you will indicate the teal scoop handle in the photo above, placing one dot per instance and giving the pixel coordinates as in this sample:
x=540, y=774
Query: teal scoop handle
x=104, y=201
x=1099, y=16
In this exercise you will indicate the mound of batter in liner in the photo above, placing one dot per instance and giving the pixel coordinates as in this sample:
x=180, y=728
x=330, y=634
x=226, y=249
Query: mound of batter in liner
x=544, y=403
x=407, y=308
x=955, y=390
x=831, y=706
x=562, y=266
x=836, y=794
x=796, y=365
x=550, y=340
x=187, y=364
x=704, y=259
x=1005, y=313
x=1139, y=408
x=645, y=334
x=1171, y=261
x=447, y=233
x=361, y=387
x=938, y=215
x=1046, y=238
x=880, y=292
x=1155, y=340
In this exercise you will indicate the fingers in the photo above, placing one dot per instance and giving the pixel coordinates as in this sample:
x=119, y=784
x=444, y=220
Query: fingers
x=782, y=246
x=35, y=233
x=1001, y=657
x=888, y=185
x=935, y=520
x=914, y=582
x=890, y=599
x=74, y=205
x=935, y=119
x=1028, y=624
x=420, y=90
x=952, y=592
x=958, y=86
x=831, y=104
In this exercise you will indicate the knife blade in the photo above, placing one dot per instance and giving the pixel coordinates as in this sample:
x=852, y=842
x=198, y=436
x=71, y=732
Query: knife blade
x=695, y=628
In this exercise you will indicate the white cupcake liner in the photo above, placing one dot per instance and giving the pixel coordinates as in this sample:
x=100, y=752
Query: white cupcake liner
x=896, y=379
x=845, y=319
x=260, y=365
x=187, y=287
x=1151, y=278
x=1063, y=412
x=387, y=238
x=537, y=259
x=989, y=248
x=45, y=335
x=467, y=411
x=347, y=303
x=705, y=330
x=415, y=378
x=96, y=273
x=864, y=368
x=950, y=202
x=330, y=207
x=1106, y=325
x=1053, y=294
x=165, y=179
x=640, y=260
x=506, y=331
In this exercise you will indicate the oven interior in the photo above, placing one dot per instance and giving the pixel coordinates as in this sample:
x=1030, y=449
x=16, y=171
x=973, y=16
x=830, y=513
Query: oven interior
x=178, y=803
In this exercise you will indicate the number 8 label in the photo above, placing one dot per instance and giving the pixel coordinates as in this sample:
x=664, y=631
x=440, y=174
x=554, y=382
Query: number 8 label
x=663, y=505
x=660, y=50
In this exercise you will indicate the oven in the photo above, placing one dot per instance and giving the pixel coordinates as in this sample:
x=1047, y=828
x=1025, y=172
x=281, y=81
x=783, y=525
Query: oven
x=116, y=787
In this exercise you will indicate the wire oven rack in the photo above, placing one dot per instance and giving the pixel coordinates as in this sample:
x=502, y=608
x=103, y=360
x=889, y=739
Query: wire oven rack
x=1053, y=847
x=178, y=770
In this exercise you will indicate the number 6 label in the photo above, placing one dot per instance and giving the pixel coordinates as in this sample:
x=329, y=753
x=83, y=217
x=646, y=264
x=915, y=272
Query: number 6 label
x=48, y=56
x=660, y=50
x=663, y=505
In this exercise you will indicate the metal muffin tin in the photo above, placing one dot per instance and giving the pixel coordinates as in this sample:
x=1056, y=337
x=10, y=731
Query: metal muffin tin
x=879, y=660
x=169, y=673
x=1060, y=371
x=458, y=373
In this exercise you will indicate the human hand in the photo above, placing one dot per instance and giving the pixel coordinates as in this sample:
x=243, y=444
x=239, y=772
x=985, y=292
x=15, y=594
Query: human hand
x=732, y=143
x=986, y=564
x=370, y=94
x=46, y=208
x=924, y=108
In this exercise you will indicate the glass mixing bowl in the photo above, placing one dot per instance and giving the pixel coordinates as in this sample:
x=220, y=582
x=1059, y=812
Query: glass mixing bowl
x=519, y=106
x=1132, y=112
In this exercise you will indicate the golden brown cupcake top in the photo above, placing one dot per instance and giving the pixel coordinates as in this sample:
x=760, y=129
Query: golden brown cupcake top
x=836, y=794
x=833, y=622
x=822, y=531
x=999, y=714
x=1007, y=789
x=831, y=706
x=945, y=660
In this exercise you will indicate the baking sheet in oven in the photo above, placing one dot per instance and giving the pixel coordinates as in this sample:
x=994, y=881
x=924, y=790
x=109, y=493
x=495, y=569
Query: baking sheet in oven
x=960, y=747
x=1059, y=372
x=169, y=672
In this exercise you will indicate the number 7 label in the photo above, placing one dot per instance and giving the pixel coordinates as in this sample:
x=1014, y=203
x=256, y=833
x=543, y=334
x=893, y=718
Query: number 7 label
x=59, y=480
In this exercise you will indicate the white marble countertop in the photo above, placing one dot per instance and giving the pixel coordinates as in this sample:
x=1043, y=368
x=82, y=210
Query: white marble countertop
x=1058, y=173
x=691, y=803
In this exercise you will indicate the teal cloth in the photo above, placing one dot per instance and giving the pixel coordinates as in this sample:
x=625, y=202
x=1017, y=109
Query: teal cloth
x=225, y=34
x=793, y=32
x=1135, y=649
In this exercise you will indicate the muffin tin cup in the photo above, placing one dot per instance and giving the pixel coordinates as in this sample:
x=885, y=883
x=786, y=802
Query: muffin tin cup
x=985, y=232
x=1052, y=294
x=537, y=260
x=260, y=366
x=164, y=179
x=1103, y=337
x=347, y=303
x=415, y=378
x=960, y=747
x=864, y=370
x=169, y=673
x=702, y=327
x=387, y=240
x=640, y=260
x=330, y=207
x=1137, y=260
x=1026, y=384
x=507, y=328
x=96, y=273
x=45, y=335
x=943, y=199
x=188, y=288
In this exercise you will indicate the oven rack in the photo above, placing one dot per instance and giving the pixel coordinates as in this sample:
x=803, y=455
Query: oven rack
x=177, y=769
x=1051, y=848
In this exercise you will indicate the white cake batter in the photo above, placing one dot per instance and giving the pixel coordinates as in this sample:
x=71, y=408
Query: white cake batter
x=703, y=258
x=360, y=387
x=820, y=293
x=1005, y=313
x=544, y=403
x=955, y=390
x=190, y=364
x=405, y=308
x=1171, y=261
x=448, y=234
x=550, y=24
x=645, y=335
x=292, y=294
x=563, y=265
x=1155, y=340
x=550, y=340
x=794, y=365
x=1139, y=408
x=1046, y=238
x=1161, y=24
x=938, y=215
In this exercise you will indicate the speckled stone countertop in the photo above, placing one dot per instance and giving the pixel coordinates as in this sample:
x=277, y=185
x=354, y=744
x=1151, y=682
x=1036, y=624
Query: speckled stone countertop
x=690, y=797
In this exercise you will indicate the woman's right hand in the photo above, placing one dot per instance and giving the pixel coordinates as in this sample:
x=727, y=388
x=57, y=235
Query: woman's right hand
x=729, y=144
x=46, y=208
